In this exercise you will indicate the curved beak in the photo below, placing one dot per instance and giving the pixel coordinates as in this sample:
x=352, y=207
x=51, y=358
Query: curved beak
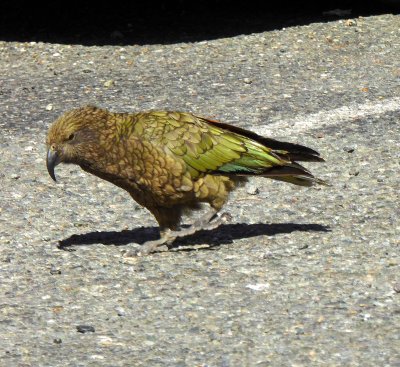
x=52, y=159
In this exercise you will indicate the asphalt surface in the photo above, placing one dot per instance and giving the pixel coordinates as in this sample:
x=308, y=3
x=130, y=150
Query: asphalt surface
x=301, y=277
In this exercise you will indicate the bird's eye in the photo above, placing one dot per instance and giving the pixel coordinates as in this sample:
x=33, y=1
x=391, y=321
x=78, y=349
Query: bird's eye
x=71, y=136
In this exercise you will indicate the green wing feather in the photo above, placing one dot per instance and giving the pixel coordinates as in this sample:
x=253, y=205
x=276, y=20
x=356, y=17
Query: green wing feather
x=211, y=147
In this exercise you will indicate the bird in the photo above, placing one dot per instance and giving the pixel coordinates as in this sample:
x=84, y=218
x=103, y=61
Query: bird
x=173, y=162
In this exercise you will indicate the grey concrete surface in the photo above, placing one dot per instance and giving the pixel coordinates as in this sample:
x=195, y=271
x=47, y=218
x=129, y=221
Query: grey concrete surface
x=301, y=277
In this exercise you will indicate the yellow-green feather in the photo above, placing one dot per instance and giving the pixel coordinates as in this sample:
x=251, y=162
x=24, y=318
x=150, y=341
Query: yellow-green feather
x=206, y=146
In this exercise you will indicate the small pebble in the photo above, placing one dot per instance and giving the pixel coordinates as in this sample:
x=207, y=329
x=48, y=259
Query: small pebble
x=120, y=311
x=349, y=149
x=85, y=329
x=350, y=22
x=7, y=259
x=258, y=287
x=15, y=176
x=253, y=189
x=109, y=83
x=55, y=271
x=49, y=107
x=396, y=287
x=57, y=341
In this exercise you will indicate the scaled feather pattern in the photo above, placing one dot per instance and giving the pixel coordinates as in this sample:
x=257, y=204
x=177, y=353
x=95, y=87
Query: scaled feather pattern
x=170, y=162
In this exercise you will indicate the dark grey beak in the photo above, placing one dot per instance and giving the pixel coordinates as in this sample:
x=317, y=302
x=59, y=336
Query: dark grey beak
x=52, y=160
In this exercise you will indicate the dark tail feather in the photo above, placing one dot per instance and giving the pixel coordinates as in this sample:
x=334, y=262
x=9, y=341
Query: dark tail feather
x=301, y=181
x=290, y=153
x=295, y=152
x=294, y=174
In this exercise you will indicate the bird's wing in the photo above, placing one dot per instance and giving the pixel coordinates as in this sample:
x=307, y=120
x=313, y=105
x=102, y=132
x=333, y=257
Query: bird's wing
x=206, y=147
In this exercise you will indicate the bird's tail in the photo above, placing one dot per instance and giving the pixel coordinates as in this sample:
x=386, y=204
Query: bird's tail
x=297, y=175
x=271, y=158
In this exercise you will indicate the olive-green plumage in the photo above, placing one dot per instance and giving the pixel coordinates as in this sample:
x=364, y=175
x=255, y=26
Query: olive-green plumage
x=172, y=161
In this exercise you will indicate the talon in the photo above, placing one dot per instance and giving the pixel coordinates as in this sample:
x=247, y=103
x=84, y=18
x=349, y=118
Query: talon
x=147, y=248
x=169, y=236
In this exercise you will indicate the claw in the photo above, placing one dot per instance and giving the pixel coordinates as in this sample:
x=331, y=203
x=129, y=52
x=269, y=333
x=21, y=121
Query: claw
x=147, y=248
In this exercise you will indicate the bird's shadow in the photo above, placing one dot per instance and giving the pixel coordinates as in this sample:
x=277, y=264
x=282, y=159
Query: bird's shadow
x=224, y=234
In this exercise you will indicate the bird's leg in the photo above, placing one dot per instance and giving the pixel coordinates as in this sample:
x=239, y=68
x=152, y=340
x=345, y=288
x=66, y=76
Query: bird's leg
x=148, y=247
x=208, y=221
x=205, y=222
x=167, y=236
x=205, y=219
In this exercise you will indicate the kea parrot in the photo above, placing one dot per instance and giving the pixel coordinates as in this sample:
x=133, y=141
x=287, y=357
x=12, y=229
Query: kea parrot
x=171, y=162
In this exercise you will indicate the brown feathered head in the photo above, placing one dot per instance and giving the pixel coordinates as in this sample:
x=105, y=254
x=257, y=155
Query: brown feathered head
x=74, y=137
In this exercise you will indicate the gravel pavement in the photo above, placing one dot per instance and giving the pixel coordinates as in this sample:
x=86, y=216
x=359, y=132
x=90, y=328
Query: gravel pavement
x=301, y=277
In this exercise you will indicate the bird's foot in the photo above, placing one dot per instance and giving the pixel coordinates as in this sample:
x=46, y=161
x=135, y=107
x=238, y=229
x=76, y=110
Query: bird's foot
x=213, y=222
x=169, y=236
x=148, y=247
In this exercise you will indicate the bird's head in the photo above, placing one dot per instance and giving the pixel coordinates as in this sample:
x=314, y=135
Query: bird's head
x=74, y=137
